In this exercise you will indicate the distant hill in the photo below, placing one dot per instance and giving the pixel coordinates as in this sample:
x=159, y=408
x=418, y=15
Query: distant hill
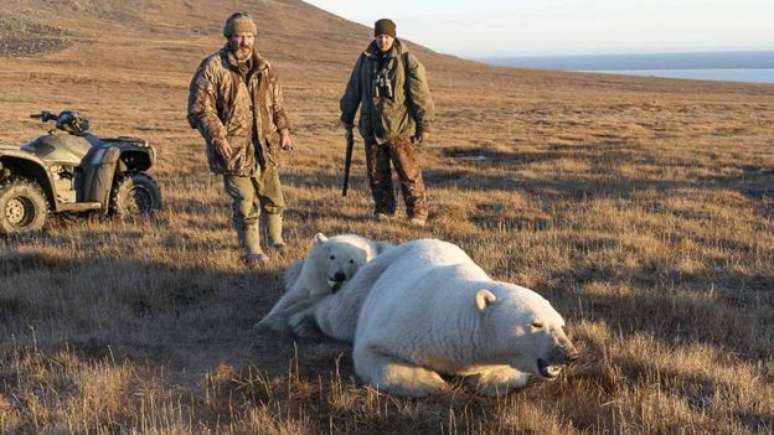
x=32, y=27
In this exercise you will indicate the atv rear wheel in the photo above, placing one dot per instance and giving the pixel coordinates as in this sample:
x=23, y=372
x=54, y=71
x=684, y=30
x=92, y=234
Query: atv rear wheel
x=23, y=207
x=134, y=194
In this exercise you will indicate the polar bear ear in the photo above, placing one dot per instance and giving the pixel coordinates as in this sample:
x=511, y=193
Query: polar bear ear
x=320, y=238
x=484, y=298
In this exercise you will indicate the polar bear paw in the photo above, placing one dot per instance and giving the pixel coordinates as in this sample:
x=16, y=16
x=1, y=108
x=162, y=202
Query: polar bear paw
x=498, y=382
x=394, y=376
x=272, y=322
x=303, y=324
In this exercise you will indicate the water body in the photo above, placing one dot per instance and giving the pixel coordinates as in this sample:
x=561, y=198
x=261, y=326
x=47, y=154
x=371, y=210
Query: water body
x=753, y=67
x=761, y=75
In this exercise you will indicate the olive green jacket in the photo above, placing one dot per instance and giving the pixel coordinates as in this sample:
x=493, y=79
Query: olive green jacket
x=385, y=115
x=220, y=106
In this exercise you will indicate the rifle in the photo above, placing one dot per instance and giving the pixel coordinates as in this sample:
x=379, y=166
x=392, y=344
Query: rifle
x=348, y=160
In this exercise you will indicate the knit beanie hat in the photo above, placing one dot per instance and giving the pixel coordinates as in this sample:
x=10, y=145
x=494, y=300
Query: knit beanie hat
x=385, y=26
x=239, y=22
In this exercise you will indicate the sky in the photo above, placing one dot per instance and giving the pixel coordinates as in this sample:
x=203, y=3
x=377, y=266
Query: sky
x=502, y=28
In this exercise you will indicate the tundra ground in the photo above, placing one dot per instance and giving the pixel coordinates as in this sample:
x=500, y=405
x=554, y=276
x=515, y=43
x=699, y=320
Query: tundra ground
x=642, y=208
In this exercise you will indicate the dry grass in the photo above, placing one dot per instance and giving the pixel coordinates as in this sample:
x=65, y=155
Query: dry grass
x=641, y=208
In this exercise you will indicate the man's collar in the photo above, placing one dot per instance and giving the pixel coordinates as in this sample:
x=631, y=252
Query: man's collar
x=258, y=62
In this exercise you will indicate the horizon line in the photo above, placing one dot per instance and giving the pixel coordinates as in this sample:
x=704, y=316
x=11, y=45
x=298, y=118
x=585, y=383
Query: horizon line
x=633, y=53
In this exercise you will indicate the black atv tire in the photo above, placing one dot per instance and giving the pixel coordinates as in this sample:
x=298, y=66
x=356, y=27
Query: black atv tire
x=134, y=194
x=23, y=207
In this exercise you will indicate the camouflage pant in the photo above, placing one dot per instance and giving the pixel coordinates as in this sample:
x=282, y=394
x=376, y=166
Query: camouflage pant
x=251, y=195
x=401, y=153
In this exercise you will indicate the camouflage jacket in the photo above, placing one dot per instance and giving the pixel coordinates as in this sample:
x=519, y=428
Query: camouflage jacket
x=393, y=95
x=220, y=106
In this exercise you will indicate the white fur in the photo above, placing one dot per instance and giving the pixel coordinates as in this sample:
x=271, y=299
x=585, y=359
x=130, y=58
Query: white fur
x=425, y=308
x=330, y=263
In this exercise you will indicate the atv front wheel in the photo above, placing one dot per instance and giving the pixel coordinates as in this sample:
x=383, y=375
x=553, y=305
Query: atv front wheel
x=23, y=207
x=134, y=194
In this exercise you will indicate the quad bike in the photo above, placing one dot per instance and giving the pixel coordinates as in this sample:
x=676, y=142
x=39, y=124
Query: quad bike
x=72, y=170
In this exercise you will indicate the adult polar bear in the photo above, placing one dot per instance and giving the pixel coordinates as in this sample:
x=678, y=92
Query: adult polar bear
x=330, y=263
x=425, y=308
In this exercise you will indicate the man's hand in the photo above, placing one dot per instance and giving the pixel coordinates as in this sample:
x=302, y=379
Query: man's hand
x=224, y=149
x=420, y=138
x=286, y=143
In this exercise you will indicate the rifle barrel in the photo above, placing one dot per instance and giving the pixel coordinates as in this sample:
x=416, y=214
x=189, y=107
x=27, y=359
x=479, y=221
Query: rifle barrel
x=348, y=161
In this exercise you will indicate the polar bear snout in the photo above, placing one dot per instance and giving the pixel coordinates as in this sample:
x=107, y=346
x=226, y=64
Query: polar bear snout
x=562, y=353
x=565, y=355
x=336, y=281
x=551, y=367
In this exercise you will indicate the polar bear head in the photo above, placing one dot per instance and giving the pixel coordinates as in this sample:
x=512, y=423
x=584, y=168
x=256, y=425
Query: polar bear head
x=523, y=330
x=334, y=260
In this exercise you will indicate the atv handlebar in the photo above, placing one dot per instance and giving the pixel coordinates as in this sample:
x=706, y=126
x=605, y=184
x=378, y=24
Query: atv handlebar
x=45, y=116
x=69, y=121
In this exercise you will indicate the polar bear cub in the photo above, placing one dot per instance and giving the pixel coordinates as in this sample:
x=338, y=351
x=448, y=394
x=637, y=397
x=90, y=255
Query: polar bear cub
x=425, y=308
x=330, y=263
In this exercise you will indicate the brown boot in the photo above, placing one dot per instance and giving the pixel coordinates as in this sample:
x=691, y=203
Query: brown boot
x=417, y=221
x=250, y=239
x=274, y=230
x=382, y=217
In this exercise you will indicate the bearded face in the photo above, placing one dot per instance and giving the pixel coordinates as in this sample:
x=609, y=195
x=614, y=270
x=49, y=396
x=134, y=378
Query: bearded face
x=241, y=45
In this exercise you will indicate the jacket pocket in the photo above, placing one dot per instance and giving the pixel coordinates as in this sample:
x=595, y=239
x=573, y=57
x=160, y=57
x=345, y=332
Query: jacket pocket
x=238, y=145
x=270, y=148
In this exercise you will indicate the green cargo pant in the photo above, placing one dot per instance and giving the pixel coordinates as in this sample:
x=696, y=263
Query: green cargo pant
x=250, y=196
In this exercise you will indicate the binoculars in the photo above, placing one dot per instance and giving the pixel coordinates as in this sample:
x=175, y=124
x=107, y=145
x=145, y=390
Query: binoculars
x=383, y=87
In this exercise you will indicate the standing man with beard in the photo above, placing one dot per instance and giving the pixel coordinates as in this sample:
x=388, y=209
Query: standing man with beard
x=389, y=85
x=235, y=101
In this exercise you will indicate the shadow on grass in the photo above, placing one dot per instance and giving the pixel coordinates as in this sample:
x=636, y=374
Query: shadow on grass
x=138, y=309
x=323, y=180
x=756, y=183
x=488, y=156
x=567, y=187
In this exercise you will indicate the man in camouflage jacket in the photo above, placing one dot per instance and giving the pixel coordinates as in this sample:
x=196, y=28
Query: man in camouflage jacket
x=235, y=101
x=389, y=85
